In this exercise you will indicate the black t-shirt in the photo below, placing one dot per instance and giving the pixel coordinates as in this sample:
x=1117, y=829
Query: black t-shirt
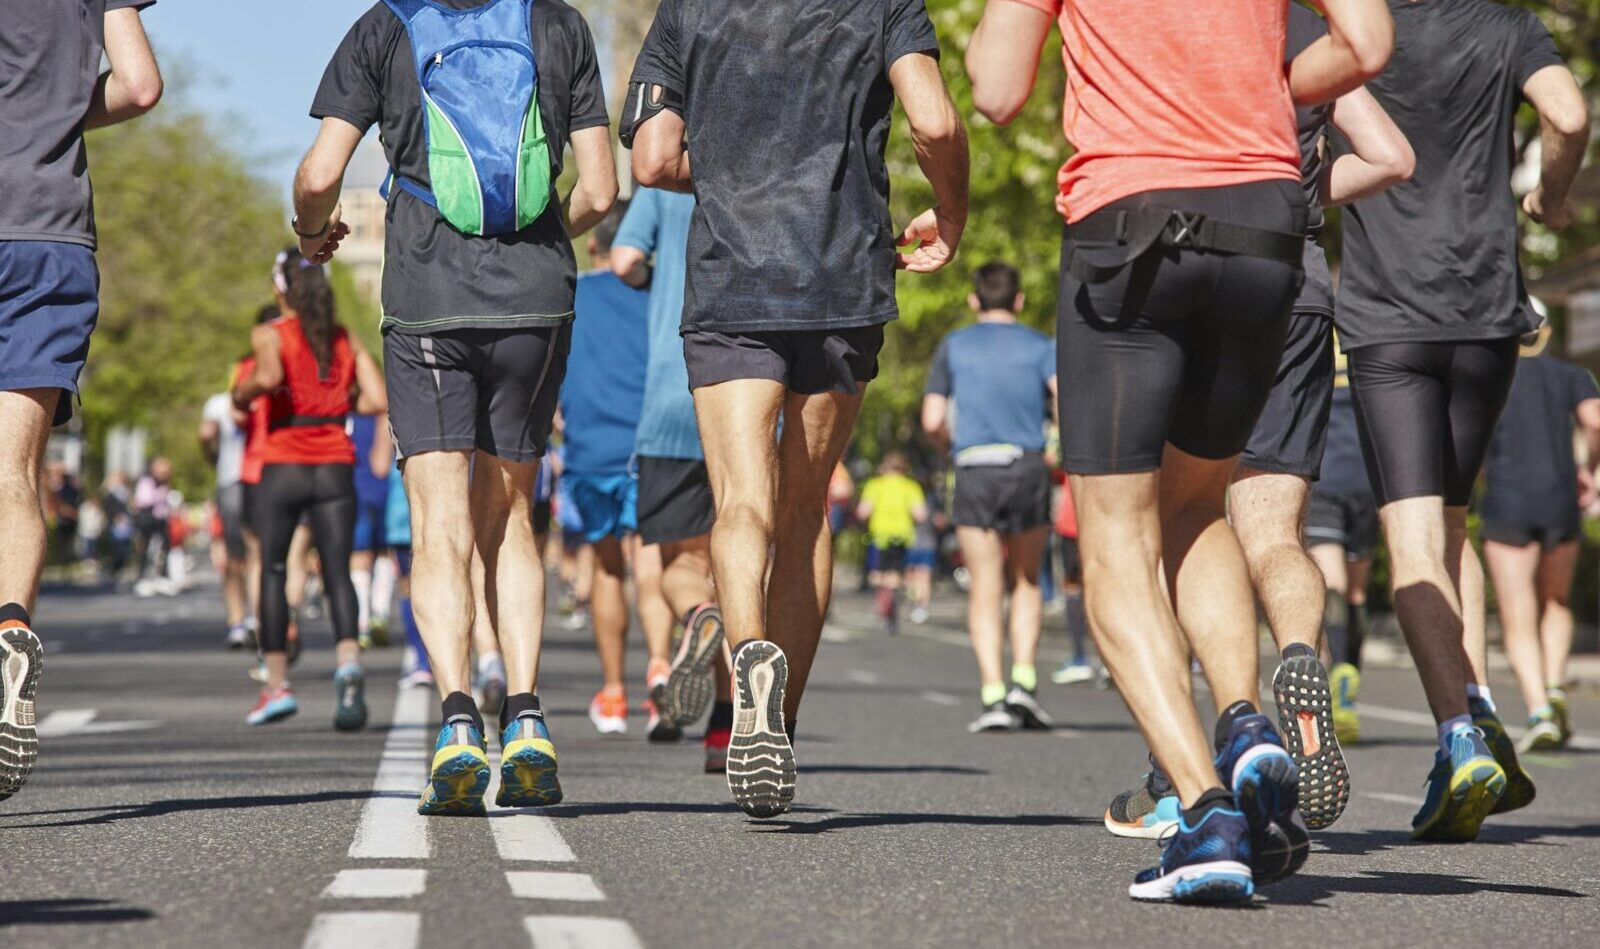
x=49, y=63
x=1532, y=472
x=1435, y=259
x=787, y=108
x=1316, y=294
x=435, y=278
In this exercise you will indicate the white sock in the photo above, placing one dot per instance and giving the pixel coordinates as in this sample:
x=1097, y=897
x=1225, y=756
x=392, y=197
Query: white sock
x=384, y=574
x=492, y=666
x=363, y=582
x=1448, y=727
x=1476, y=691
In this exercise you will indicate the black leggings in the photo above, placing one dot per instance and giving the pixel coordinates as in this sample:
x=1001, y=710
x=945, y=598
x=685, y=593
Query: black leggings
x=328, y=494
x=1426, y=412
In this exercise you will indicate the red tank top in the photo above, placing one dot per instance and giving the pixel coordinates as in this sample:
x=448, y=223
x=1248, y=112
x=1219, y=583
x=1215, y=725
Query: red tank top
x=306, y=415
x=255, y=431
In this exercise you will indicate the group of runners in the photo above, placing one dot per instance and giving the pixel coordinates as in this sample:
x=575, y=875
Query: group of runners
x=1192, y=373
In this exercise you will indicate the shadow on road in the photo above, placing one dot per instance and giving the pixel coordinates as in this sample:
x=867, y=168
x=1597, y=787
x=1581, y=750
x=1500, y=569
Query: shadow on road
x=59, y=912
x=1305, y=890
x=115, y=813
x=890, y=769
x=1362, y=843
x=858, y=821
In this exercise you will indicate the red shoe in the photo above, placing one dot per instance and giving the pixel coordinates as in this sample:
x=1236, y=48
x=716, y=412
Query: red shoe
x=716, y=745
x=609, y=712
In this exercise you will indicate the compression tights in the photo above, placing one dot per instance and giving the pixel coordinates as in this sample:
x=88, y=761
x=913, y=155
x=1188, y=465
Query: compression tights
x=326, y=493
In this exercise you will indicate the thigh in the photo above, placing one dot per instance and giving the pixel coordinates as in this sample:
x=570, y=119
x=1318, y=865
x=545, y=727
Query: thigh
x=841, y=361
x=1401, y=404
x=284, y=494
x=1480, y=380
x=1556, y=567
x=519, y=384
x=738, y=427
x=49, y=303
x=816, y=429
x=333, y=514
x=433, y=393
x=1291, y=432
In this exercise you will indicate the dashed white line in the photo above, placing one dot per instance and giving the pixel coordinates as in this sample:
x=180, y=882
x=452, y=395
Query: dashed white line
x=862, y=677
x=942, y=698
x=343, y=930
x=580, y=932
x=1405, y=799
x=390, y=825
x=1405, y=716
x=546, y=885
x=521, y=834
x=370, y=883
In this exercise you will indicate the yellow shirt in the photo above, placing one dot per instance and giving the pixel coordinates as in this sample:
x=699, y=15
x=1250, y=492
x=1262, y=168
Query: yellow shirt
x=893, y=499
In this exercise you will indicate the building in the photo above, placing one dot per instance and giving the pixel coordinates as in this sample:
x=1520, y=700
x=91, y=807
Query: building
x=364, y=210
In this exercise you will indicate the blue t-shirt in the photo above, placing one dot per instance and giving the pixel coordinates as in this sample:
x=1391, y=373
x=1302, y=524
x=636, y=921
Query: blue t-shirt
x=604, y=388
x=397, y=511
x=371, y=490
x=657, y=223
x=999, y=376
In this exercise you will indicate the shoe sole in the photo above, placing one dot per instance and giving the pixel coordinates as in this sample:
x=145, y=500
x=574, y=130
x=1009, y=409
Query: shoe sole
x=1519, y=789
x=1305, y=703
x=528, y=778
x=1031, y=720
x=1563, y=712
x=1219, y=883
x=21, y=663
x=1475, y=788
x=1266, y=787
x=689, y=686
x=277, y=716
x=456, y=787
x=1541, y=740
x=665, y=731
x=350, y=716
x=608, y=726
x=1072, y=676
x=1139, y=831
x=761, y=772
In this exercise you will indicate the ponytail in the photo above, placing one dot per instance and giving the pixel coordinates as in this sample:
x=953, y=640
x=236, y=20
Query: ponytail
x=311, y=298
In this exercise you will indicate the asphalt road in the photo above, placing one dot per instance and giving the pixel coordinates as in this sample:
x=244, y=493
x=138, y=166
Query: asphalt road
x=157, y=818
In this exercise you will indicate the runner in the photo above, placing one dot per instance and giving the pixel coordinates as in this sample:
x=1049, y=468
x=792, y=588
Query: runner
x=892, y=506
x=1077, y=667
x=414, y=669
x=1531, y=526
x=222, y=441
x=1182, y=194
x=308, y=366
x=1001, y=377
x=477, y=300
x=675, y=506
x=372, y=568
x=600, y=404
x=255, y=437
x=1430, y=307
x=787, y=296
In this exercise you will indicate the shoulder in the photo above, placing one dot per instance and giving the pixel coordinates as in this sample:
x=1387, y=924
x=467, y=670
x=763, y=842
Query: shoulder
x=560, y=19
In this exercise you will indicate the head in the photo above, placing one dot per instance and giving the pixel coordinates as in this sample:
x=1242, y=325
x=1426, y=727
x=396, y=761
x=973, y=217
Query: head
x=161, y=468
x=894, y=463
x=605, y=232
x=996, y=287
x=303, y=290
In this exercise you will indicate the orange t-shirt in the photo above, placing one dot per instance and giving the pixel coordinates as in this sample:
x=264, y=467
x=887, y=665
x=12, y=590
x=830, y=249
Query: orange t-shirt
x=1168, y=95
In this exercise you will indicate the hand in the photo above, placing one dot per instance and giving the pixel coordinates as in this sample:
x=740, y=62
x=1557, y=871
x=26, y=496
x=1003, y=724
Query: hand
x=935, y=238
x=1555, y=218
x=1587, y=493
x=320, y=250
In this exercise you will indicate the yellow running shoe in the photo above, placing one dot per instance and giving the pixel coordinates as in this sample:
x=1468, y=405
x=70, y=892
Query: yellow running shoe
x=1463, y=788
x=1520, y=791
x=459, y=776
x=527, y=764
x=1344, y=681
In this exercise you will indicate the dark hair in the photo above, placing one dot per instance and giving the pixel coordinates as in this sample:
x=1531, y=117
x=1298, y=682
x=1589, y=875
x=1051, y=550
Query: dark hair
x=311, y=299
x=997, y=284
x=606, y=231
x=268, y=313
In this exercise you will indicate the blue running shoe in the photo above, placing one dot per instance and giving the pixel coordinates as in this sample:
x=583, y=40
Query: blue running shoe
x=273, y=705
x=1208, y=863
x=527, y=764
x=459, y=776
x=1265, y=783
x=1463, y=788
x=349, y=698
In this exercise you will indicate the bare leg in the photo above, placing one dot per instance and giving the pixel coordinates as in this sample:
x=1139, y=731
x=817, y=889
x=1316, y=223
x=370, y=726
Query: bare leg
x=981, y=552
x=1466, y=572
x=655, y=615
x=485, y=640
x=441, y=566
x=25, y=417
x=1024, y=553
x=583, y=573
x=609, y=603
x=1426, y=601
x=235, y=594
x=1513, y=570
x=513, y=576
x=686, y=584
x=1555, y=622
x=1267, y=511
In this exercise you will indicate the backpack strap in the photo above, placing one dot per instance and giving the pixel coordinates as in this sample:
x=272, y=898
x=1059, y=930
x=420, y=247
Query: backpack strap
x=394, y=178
x=406, y=9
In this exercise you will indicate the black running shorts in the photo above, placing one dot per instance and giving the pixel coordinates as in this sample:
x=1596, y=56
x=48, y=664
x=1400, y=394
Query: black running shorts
x=1009, y=499
x=1293, y=427
x=808, y=362
x=674, y=500
x=1343, y=520
x=1182, y=345
x=1547, y=536
x=231, y=511
x=1426, y=411
x=493, y=390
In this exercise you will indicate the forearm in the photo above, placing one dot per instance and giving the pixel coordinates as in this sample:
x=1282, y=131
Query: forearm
x=133, y=85
x=942, y=155
x=1351, y=178
x=114, y=102
x=584, y=210
x=1560, y=156
x=314, y=199
x=1359, y=42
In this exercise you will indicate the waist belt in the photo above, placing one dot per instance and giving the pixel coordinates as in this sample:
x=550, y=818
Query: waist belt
x=1137, y=232
x=304, y=421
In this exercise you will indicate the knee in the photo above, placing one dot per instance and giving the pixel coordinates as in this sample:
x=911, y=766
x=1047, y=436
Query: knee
x=19, y=498
x=746, y=512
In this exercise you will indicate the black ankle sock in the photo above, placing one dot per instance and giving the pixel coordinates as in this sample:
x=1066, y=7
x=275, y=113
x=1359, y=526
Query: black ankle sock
x=14, y=612
x=1216, y=797
x=457, y=704
x=1226, y=718
x=523, y=703
x=1294, y=650
x=721, y=715
x=1357, y=634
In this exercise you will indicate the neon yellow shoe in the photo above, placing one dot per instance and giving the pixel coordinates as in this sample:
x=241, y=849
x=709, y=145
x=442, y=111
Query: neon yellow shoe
x=459, y=776
x=1463, y=788
x=1344, y=682
x=527, y=764
x=1520, y=791
x=1562, y=708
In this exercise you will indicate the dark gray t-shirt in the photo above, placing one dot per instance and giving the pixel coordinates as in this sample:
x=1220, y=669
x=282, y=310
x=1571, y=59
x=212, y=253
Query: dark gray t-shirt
x=787, y=107
x=435, y=278
x=1435, y=259
x=1316, y=294
x=50, y=54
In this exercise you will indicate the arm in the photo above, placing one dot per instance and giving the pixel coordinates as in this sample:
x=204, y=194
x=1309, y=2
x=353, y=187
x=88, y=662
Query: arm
x=210, y=438
x=1380, y=157
x=316, y=189
x=268, y=373
x=1055, y=402
x=371, y=397
x=1003, y=58
x=596, y=189
x=631, y=266
x=940, y=141
x=133, y=86
x=1563, y=138
x=381, y=458
x=935, y=414
x=1358, y=45
x=660, y=159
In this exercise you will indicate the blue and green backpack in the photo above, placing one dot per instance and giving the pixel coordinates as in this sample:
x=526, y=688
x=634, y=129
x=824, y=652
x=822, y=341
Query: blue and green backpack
x=488, y=161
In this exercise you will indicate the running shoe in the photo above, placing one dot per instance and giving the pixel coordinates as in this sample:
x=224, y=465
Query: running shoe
x=609, y=712
x=1344, y=681
x=417, y=679
x=716, y=746
x=1072, y=672
x=1463, y=789
x=527, y=764
x=761, y=771
x=1265, y=783
x=1562, y=708
x=21, y=662
x=579, y=617
x=459, y=775
x=273, y=705
x=1305, y=718
x=378, y=631
x=258, y=672
x=238, y=636
x=689, y=687
x=350, y=698
x=919, y=615
x=1148, y=811
x=1543, y=734
x=997, y=717
x=1519, y=790
x=1208, y=863
x=364, y=640
x=1025, y=705
x=312, y=604
x=292, y=638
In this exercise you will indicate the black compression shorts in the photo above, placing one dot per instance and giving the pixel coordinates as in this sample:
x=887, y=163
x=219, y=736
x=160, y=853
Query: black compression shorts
x=1426, y=411
x=1293, y=428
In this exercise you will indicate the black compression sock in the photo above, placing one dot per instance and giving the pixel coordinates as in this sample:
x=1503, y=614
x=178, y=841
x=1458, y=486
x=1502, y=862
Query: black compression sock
x=1216, y=797
x=15, y=613
x=457, y=704
x=1336, y=621
x=1358, y=634
x=1226, y=718
x=523, y=703
x=721, y=715
x=1294, y=650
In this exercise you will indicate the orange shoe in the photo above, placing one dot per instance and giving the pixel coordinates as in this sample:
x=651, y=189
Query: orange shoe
x=609, y=711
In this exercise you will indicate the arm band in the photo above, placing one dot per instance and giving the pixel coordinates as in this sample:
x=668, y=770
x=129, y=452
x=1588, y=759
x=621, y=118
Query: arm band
x=638, y=109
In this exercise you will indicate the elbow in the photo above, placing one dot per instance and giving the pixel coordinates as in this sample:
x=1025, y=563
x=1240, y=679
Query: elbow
x=1571, y=121
x=653, y=170
x=1371, y=46
x=1401, y=165
x=603, y=199
x=1000, y=106
x=146, y=91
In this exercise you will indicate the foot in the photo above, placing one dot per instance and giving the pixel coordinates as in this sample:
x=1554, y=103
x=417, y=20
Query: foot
x=1543, y=734
x=609, y=712
x=716, y=748
x=417, y=679
x=1148, y=811
x=1519, y=792
x=1025, y=705
x=1207, y=863
x=761, y=771
x=1463, y=788
x=364, y=639
x=1344, y=681
x=919, y=615
x=239, y=636
x=1563, y=711
x=997, y=717
x=1305, y=717
x=659, y=729
x=1073, y=671
x=689, y=687
x=350, y=698
x=1265, y=783
x=21, y=662
x=527, y=764
x=459, y=775
x=272, y=705
x=379, y=631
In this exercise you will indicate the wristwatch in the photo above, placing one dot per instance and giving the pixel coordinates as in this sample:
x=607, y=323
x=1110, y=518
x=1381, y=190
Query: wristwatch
x=294, y=225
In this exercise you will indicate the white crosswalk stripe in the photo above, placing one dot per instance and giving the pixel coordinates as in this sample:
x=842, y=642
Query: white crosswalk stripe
x=581, y=932
x=546, y=885
x=377, y=883
x=344, y=930
x=390, y=825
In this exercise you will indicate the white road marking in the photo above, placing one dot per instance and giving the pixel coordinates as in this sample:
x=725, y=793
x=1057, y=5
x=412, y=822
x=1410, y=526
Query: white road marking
x=343, y=930
x=66, y=722
x=523, y=833
x=545, y=885
x=942, y=698
x=1405, y=716
x=862, y=677
x=580, y=932
x=1405, y=799
x=370, y=883
x=390, y=825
